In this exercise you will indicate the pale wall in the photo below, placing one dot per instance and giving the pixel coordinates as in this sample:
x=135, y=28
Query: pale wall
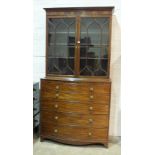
x=39, y=48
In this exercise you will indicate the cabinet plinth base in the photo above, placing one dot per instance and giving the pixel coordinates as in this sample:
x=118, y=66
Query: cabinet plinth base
x=75, y=142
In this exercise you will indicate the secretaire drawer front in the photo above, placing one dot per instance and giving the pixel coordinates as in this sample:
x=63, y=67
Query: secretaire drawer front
x=82, y=88
x=49, y=130
x=69, y=107
x=69, y=91
x=97, y=121
x=65, y=86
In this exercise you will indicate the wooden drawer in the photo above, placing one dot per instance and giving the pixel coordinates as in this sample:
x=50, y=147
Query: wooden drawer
x=50, y=84
x=50, y=130
x=97, y=121
x=82, y=88
x=100, y=88
x=58, y=96
x=65, y=86
x=87, y=88
x=99, y=98
x=71, y=107
x=65, y=96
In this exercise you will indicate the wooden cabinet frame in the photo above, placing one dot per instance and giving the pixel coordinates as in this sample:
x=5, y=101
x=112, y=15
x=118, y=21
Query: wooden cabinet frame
x=69, y=97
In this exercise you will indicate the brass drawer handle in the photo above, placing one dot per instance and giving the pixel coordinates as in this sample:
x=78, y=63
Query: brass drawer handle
x=90, y=108
x=89, y=133
x=91, y=97
x=55, y=130
x=90, y=120
x=57, y=87
x=91, y=89
x=56, y=106
x=56, y=117
x=57, y=95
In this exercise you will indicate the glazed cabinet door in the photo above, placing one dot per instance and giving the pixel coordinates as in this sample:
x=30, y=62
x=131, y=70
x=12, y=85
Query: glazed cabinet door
x=94, y=46
x=78, y=46
x=60, y=46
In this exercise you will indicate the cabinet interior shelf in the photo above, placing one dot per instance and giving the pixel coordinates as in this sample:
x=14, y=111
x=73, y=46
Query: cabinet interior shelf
x=73, y=45
x=80, y=32
x=61, y=32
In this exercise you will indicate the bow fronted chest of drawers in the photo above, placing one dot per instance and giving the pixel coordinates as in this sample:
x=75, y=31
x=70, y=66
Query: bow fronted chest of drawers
x=75, y=93
x=75, y=112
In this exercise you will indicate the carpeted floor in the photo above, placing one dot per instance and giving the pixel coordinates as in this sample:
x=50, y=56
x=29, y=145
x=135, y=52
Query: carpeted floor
x=53, y=148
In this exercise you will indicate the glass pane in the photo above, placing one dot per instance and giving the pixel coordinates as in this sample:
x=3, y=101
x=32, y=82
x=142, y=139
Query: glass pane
x=94, y=43
x=60, y=30
x=61, y=51
x=83, y=51
x=61, y=46
x=91, y=52
x=53, y=66
x=85, y=69
x=88, y=66
x=104, y=52
x=61, y=38
x=94, y=52
x=94, y=31
x=101, y=70
x=104, y=65
x=71, y=40
x=60, y=66
x=105, y=39
x=84, y=40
